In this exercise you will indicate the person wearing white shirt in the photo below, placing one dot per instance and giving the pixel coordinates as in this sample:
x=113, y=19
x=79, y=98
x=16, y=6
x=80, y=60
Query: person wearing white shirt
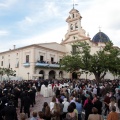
x=52, y=103
x=65, y=108
x=94, y=91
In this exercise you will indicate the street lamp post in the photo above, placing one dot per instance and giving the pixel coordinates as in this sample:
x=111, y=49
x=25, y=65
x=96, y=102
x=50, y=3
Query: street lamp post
x=28, y=75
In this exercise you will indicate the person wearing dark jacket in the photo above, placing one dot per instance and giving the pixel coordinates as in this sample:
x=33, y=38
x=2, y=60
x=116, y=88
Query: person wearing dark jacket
x=88, y=108
x=98, y=105
x=9, y=112
x=22, y=95
x=26, y=104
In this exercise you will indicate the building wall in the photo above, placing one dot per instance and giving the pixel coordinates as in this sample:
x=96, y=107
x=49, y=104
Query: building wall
x=19, y=56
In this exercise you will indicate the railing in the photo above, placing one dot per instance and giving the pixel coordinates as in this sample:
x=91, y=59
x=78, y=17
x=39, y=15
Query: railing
x=38, y=64
x=26, y=64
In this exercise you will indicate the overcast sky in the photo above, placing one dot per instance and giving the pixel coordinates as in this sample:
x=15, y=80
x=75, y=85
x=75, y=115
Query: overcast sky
x=25, y=22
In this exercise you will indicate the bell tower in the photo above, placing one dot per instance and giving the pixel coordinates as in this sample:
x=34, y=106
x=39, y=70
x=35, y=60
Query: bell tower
x=75, y=31
x=74, y=20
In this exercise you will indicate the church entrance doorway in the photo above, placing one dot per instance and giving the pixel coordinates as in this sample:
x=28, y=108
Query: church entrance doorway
x=74, y=75
x=52, y=74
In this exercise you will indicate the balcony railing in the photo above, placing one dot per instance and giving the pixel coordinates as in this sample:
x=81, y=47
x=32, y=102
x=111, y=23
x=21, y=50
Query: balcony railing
x=47, y=64
x=26, y=64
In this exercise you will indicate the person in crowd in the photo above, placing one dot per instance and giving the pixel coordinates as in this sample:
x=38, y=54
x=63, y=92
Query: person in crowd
x=22, y=116
x=22, y=95
x=98, y=105
x=52, y=102
x=41, y=115
x=95, y=115
x=65, y=108
x=34, y=116
x=55, y=112
x=79, y=108
x=9, y=112
x=72, y=99
x=55, y=89
x=26, y=104
x=61, y=108
x=34, y=94
x=83, y=98
x=106, y=102
x=113, y=115
x=31, y=95
x=57, y=92
x=119, y=105
x=74, y=106
x=113, y=103
x=94, y=98
x=62, y=96
x=46, y=111
x=88, y=107
x=71, y=115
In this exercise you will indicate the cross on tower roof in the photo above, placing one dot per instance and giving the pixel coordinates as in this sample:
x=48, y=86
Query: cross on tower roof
x=99, y=28
x=74, y=4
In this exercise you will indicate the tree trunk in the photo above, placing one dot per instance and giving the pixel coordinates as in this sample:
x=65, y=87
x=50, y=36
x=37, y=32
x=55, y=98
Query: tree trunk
x=103, y=75
x=97, y=77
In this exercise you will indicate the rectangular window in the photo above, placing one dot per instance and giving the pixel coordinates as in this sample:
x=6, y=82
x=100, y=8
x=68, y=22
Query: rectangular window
x=2, y=57
x=27, y=58
x=41, y=58
x=9, y=65
x=52, y=59
x=60, y=60
x=1, y=63
x=17, y=63
x=74, y=49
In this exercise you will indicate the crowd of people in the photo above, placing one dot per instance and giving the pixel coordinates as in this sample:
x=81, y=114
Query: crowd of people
x=71, y=99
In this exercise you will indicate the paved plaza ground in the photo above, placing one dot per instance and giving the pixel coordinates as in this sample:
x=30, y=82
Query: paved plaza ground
x=38, y=106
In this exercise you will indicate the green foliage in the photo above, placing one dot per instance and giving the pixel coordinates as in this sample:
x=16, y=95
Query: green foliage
x=104, y=60
x=2, y=71
x=114, y=58
x=70, y=63
x=9, y=71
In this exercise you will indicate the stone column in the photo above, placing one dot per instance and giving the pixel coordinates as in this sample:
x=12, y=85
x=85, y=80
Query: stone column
x=57, y=75
x=46, y=75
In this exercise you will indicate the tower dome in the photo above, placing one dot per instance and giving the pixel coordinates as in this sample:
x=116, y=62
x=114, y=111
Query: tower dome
x=100, y=37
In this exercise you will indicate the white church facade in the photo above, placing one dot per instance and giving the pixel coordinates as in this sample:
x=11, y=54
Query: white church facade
x=42, y=60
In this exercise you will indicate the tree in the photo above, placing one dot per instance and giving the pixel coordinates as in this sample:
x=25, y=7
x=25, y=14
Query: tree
x=9, y=72
x=99, y=63
x=70, y=63
x=114, y=57
x=84, y=52
x=2, y=72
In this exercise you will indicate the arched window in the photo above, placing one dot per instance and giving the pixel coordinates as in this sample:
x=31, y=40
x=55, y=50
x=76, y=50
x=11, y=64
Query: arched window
x=73, y=15
x=71, y=26
x=76, y=26
x=61, y=74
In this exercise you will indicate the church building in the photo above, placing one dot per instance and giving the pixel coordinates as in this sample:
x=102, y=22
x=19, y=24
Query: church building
x=42, y=60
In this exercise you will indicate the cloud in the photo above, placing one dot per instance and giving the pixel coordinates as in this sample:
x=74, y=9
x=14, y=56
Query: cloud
x=3, y=5
x=55, y=35
x=7, y=3
x=38, y=15
x=102, y=13
x=3, y=33
x=43, y=20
